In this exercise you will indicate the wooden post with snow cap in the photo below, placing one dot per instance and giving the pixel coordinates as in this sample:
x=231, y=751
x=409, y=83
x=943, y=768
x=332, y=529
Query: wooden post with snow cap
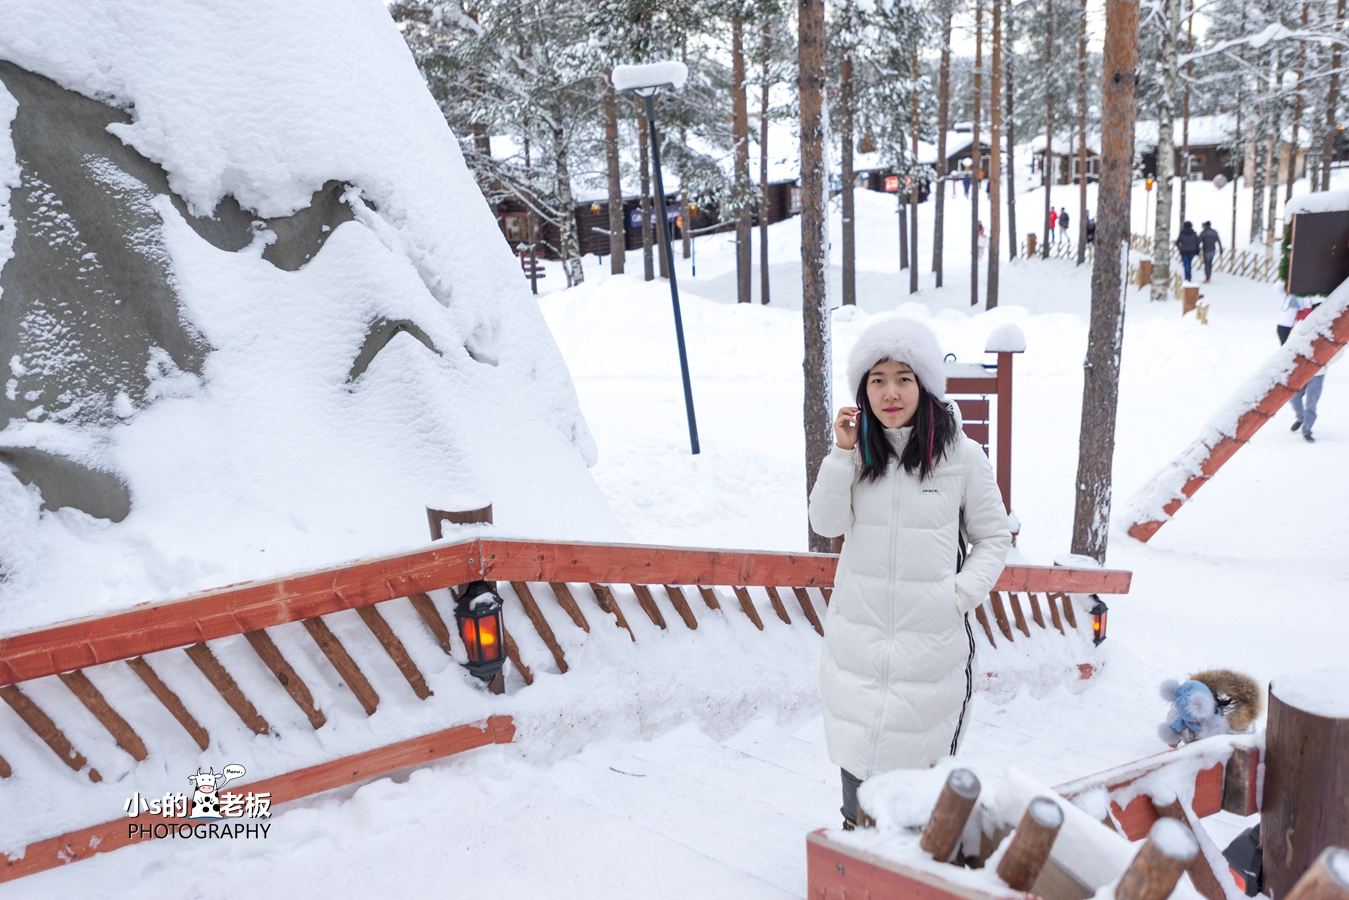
x=1306, y=790
x=1031, y=844
x=1327, y=879
x=1005, y=340
x=943, y=829
x=1159, y=864
x=437, y=517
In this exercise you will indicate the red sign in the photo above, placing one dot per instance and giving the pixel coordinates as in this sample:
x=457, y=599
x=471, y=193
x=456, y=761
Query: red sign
x=892, y=183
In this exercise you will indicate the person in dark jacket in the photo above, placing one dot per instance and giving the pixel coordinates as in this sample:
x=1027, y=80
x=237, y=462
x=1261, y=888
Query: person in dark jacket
x=1091, y=228
x=1187, y=242
x=1209, y=240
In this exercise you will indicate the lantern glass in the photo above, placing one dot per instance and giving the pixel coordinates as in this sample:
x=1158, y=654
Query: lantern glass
x=1099, y=611
x=479, y=617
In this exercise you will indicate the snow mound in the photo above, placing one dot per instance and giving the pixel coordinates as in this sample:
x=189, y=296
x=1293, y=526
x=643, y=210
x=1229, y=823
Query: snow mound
x=359, y=339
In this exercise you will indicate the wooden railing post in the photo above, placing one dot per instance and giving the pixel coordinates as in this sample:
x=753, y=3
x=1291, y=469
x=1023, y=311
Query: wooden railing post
x=1031, y=844
x=943, y=829
x=1159, y=864
x=437, y=517
x=1005, y=428
x=1327, y=879
x=1306, y=790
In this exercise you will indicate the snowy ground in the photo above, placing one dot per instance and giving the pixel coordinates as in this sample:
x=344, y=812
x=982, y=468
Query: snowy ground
x=716, y=800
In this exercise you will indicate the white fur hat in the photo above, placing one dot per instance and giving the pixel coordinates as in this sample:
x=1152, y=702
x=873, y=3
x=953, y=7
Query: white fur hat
x=902, y=340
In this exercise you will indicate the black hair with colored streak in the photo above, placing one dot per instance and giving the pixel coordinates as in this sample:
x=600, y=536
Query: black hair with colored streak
x=934, y=430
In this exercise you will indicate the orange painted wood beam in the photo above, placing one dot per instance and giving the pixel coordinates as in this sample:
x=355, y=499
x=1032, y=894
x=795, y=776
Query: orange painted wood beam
x=228, y=611
x=76, y=845
x=241, y=608
x=1304, y=367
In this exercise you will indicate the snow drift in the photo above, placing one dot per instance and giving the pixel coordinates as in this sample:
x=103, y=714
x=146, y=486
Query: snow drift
x=260, y=315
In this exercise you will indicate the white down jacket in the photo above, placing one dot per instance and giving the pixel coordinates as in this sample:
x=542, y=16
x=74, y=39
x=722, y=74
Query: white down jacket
x=898, y=662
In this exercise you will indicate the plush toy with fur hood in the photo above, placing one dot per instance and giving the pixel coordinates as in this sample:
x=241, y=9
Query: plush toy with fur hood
x=902, y=340
x=1212, y=702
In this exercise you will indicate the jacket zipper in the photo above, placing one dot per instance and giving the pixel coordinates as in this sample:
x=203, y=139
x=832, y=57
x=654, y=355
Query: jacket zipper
x=889, y=627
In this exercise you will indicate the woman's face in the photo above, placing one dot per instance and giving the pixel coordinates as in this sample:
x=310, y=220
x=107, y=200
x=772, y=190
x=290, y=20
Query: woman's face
x=892, y=390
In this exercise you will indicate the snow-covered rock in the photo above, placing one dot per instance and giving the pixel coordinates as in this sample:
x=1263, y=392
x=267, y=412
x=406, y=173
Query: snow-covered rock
x=354, y=337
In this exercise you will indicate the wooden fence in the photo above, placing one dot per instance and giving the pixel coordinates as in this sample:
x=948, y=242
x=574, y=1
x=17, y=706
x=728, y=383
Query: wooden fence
x=1262, y=266
x=581, y=579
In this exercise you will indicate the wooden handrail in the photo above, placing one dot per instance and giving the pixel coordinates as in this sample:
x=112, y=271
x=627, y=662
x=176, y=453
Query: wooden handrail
x=250, y=606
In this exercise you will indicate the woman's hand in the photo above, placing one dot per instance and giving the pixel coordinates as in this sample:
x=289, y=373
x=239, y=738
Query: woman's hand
x=845, y=427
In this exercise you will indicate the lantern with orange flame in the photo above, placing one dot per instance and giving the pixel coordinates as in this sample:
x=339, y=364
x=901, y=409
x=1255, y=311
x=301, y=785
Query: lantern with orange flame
x=1098, y=613
x=478, y=614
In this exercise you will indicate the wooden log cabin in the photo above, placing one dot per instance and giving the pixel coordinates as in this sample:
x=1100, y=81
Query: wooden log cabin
x=592, y=221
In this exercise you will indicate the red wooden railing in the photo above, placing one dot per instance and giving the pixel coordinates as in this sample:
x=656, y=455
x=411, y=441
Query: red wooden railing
x=251, y=606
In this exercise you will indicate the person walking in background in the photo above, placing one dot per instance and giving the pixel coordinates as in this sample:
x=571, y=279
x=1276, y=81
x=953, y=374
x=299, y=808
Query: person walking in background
x=966, y=181
x=1091, y=228
x=1187, y=242
x=1053, y=223
x=1292, y=310
x=1209, y=241
x=1063, y=223
x=983, y=240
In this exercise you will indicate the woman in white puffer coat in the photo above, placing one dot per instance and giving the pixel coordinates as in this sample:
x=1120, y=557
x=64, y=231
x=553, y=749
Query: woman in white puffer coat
x=926, y=536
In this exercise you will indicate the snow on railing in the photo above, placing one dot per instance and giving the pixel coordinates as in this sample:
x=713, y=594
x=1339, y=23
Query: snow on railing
x=1323, y=334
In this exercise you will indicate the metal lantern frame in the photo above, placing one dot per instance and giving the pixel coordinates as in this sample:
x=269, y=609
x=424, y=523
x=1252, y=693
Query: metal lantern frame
x=477, y=615
x=1098, y=614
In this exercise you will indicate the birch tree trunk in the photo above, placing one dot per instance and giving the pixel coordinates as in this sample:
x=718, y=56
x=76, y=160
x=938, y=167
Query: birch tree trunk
x=1100, y=383
x=618, y=246
x=1299, y=102
x=1258, y=166
x=648, y=260
x=1166, y=155
x=1275, y=143
x=818, y=364
x=571, y=244
x=1185, y=111
x=1332, y=98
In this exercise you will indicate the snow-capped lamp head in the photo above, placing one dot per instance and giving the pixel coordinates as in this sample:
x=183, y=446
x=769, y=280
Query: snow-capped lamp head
x=646, y=79
x=478, y=615
x=1098, y=614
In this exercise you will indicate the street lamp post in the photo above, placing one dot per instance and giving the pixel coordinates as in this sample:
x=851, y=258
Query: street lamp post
x=644, y=81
